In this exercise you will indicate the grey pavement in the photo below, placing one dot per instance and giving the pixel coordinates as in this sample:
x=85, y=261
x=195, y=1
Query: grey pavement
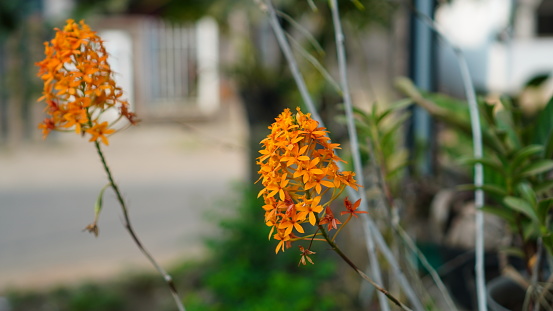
x=173, y=177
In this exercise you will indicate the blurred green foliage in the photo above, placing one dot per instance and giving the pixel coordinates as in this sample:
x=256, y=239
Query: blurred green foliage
x=517, y=161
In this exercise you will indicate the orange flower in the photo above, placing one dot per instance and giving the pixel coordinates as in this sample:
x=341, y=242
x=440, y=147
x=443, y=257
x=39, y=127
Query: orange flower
x=309, y=208
x=298, y=166
x=352, y=208
x=330, y=220
x=79, y=85
x=100, y=131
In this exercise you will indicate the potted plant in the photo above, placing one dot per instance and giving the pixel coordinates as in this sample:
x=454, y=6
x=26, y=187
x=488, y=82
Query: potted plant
x=518, y=163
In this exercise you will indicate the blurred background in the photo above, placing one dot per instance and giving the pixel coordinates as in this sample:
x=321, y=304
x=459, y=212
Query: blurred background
x=206, y=78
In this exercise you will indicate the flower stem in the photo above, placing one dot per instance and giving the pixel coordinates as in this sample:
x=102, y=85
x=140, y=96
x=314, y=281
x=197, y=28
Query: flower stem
x=338, y=251
x=168, y=279
x=341, y=227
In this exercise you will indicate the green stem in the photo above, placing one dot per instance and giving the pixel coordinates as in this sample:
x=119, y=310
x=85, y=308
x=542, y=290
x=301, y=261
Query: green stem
x=338, y=251
x=168, y=279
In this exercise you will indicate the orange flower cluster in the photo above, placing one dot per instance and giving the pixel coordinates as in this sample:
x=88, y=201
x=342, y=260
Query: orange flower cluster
x=299, y=166
x=78, y=84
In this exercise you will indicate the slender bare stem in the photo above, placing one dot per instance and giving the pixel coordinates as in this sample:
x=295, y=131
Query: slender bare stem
x=287, y=51
x=372, y=233
x=168, y=279
x=478, y=153
x=381, y=177
x=358, y=167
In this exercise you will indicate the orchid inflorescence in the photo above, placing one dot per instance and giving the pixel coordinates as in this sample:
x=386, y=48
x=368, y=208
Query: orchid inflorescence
x=78, y=84
x=298, y=168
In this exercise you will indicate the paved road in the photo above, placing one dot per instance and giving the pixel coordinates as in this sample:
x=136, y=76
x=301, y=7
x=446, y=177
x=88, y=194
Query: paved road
x=172, y=178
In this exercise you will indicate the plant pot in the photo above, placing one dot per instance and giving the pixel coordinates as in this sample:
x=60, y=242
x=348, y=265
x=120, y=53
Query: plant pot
x=504, y=294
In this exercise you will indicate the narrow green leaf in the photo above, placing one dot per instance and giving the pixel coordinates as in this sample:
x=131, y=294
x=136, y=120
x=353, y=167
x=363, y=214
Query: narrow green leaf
x=544, y=206
x=513, y=251
x=525, y=154
x=358, y=5
x=543, y=127
x=362, y=126
x=548, y=153
x=390, y=133
x=503, y=213
x=486, y=162
x=361, y=113
x=530, y=230
x=548, y=242
x=544, y=187
x=99, y=201
x=489, y=189
x=527, y=193
x=397, y=106
x=522, y=206
x=537, y=80
x=536, y=168
x=397, y=169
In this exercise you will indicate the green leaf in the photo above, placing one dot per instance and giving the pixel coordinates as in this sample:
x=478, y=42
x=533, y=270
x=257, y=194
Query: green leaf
x=530, y=230
x=395, y=170
x=389, y=134
x=486, y=162
x=541, y=132
x=548, y=242
x=361, y=113
x=399, y=105
x=505, y=122
x=544, y=206
x=513, y=251
x=527, y=193
x=536, y=168
x=504, y=213
x=522, y=206
x=358, y=5
x=548, y=153
x=525, y=154
x=537, y=80
x=490, y=189
x=544, y=187
x=99, y=201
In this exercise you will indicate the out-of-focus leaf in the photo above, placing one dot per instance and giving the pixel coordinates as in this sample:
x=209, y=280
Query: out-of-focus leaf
x=399, y=105
x=490, y=189
x=503, y=213
x=361, y=113
x=506, y=123
x=530, y=231
x=536, y=168
x=527, y=193
x=537, y=80
x=513, y=251
x=358, y=5
x=544, y=206
x=522, y=206
x=543, y=187
x=525, y=154
x=486, y=162
x=548, y=242
x=390, y=135
x=543, y=127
